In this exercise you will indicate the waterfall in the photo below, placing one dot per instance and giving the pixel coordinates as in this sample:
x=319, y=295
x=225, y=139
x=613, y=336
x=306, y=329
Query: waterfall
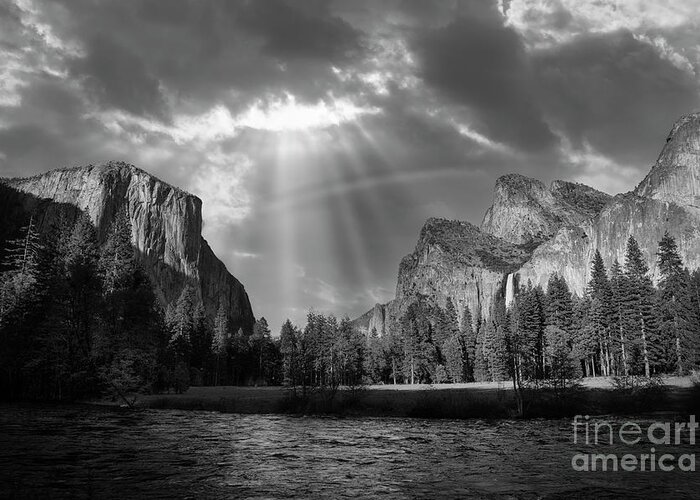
x=509, y=290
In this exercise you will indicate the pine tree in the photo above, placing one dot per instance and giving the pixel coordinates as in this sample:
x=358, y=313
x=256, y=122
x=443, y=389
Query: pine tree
x=452, y=350
x=83, y=282
x=376, y=363
x=559, y=305
x=200, y=344
x=219, y=344
x=677, y=316
x=20, y=272
x=260, y=344
x=181, y=323
x=494, y=346
x=639, y=301
x=351, y=352
x=562, y=362
x=531, y=324
x=617, y=318
x=419, y=353
x=289, y=349
x=450, y=326
x=468, y=345
x=117, y=260
x=601, y=311
x=694, y=341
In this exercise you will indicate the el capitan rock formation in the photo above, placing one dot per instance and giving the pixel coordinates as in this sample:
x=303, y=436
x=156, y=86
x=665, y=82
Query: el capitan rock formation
x=532, y=231
x=166, y=225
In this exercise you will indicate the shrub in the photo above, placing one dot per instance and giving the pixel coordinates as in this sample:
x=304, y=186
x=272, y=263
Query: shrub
x=637, y=393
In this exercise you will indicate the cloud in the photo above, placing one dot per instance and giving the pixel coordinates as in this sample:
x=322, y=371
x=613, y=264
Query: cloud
x=293, y=30
x=556, y=21
x=590, y=167
x=483, y=66
x=614, y=92
x=117, y=78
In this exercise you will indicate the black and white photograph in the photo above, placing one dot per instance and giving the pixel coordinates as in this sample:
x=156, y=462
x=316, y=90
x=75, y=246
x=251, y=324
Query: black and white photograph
x=326, y=249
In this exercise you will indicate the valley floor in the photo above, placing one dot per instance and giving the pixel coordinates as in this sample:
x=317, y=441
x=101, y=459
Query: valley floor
x=470, y=400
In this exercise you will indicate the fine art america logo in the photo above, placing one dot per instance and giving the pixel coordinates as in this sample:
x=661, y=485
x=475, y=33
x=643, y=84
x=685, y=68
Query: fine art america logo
x=662, y=439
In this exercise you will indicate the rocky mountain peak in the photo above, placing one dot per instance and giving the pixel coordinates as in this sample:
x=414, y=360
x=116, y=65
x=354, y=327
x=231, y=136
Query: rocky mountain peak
x=463, y=242
x=166, y=225
x=675, y=177
x=525, y=211
x=532, y=231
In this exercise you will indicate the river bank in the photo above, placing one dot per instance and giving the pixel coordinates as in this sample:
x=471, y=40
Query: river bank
x=593, y=396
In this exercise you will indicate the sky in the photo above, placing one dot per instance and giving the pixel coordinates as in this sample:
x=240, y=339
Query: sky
x=320, y=135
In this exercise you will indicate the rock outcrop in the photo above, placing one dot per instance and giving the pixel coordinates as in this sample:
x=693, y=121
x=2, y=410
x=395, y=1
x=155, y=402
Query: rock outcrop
x=373, y=320
x=676, y=175
x=166, y=225
x=532, y=231
x=525, y=211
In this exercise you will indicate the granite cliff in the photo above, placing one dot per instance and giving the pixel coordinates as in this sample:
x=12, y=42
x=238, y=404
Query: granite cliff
x=532, y=231
x=166, y=225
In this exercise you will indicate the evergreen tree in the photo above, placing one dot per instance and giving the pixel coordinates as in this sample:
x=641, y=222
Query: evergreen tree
x=639, y=303
x=601, y=312
x=350, y=355
x=468, y=345
x=201, y=337
x=562, y=360
x=453, y=352
x=260, y=344
x=617, y=318
x=219, y=345
x=531, y=324
x=481, y=372
x=419, y=353
x=377, y=365
x=289, y=349
x=181, y=323
x=673, y=345
x=19, y=273
x=447, y=325
x=117, y=259
x=560, y=307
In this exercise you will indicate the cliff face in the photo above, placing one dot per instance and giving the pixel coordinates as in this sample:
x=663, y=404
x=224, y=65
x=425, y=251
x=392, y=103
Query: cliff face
x=166, y=227
x=676, y=175
x=452, y=259
x=525, y=211
x=455, y=259
x=374, y=319
x=532, y=231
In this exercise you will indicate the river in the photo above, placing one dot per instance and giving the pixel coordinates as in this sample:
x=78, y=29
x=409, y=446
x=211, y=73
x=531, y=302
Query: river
x=96, y=452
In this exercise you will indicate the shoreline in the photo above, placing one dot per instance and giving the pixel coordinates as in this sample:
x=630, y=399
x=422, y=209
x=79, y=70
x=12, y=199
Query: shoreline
x=597, y=396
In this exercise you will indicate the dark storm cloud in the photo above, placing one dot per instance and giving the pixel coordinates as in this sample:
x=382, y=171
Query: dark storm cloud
x=117, y=78
x=615, y=92
x=477, y=62
x=306, y=31
x=201, y=51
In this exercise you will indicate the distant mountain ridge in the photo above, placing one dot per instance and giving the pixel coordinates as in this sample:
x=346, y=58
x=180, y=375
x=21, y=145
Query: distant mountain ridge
x=540, y=230
x=166, y=227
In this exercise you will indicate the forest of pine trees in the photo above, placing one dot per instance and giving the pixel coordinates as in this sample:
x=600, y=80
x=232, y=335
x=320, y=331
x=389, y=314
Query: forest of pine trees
x=623, y=325
x=79, y=319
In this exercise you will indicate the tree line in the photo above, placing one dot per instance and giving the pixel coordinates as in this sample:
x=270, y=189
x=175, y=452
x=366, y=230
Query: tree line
x=623, y=325
x=79, y=319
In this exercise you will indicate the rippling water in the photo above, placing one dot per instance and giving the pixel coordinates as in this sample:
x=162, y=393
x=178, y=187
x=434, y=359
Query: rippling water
x=80, y=451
